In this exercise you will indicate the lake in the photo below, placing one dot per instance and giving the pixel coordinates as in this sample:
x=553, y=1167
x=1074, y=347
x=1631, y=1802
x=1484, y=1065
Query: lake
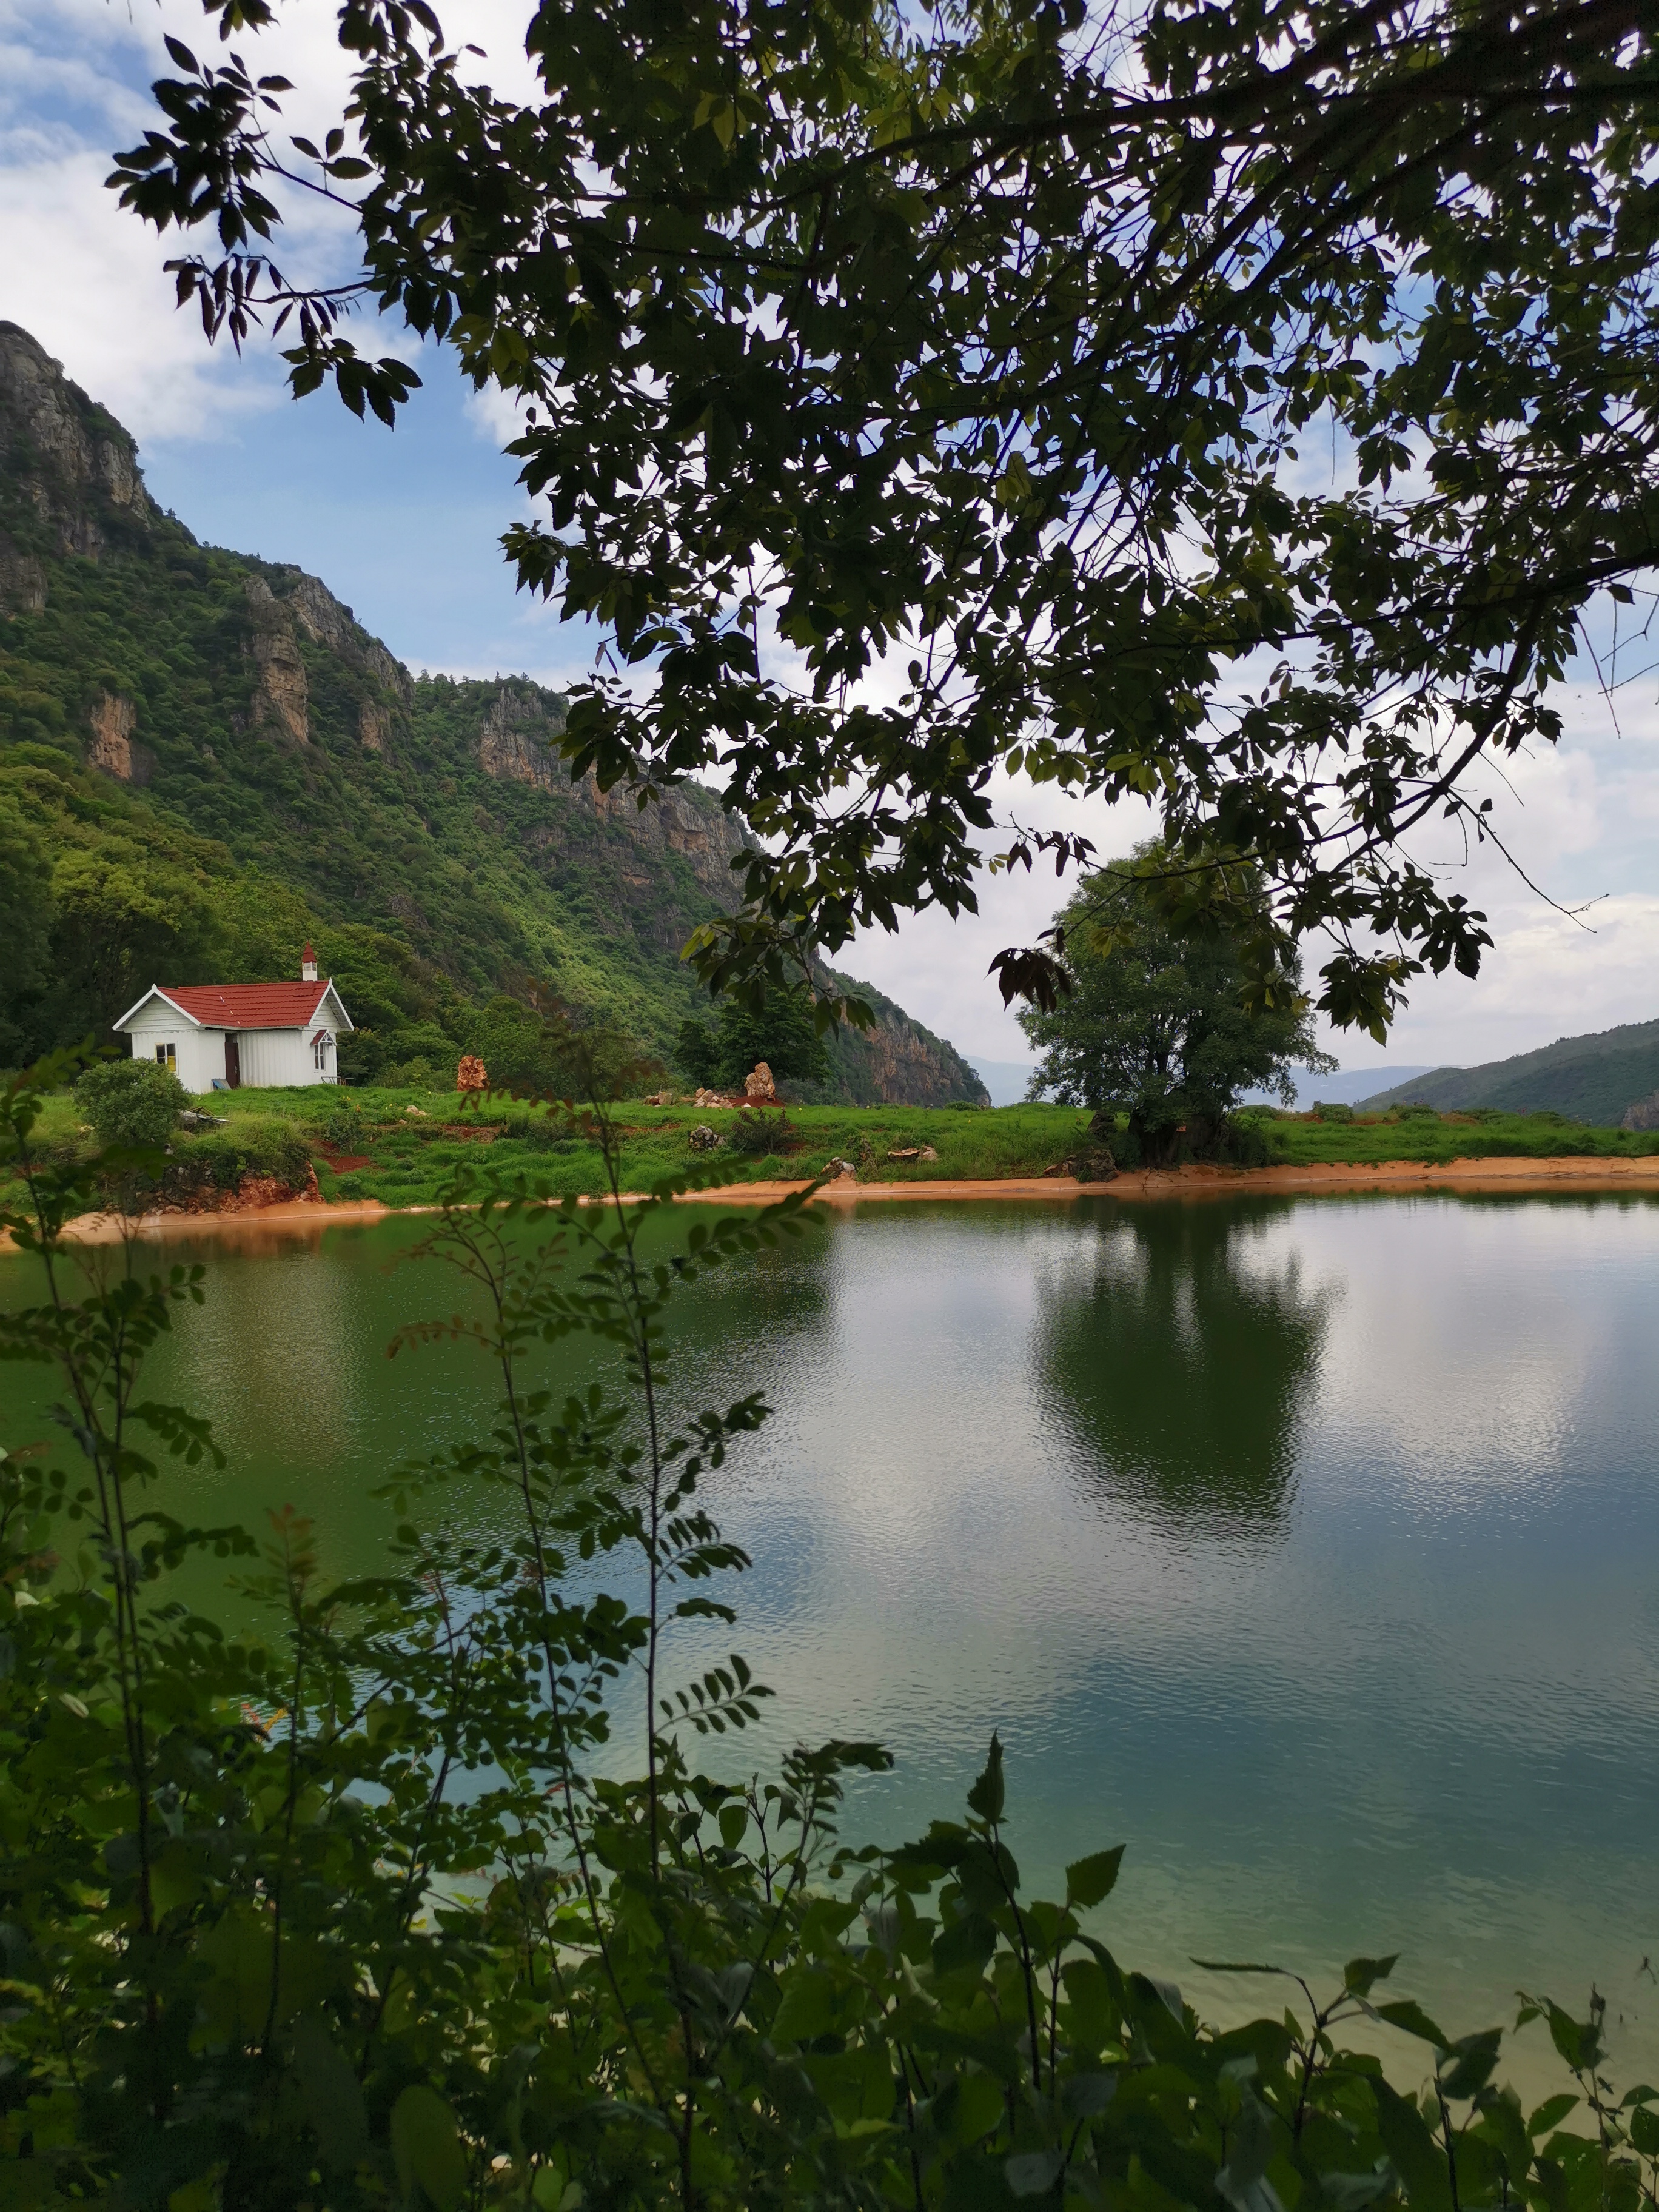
x=1308, y=1546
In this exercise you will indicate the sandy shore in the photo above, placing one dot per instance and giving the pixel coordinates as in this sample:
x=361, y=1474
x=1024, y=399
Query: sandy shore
x=1498, y=1175
x=254, y=1225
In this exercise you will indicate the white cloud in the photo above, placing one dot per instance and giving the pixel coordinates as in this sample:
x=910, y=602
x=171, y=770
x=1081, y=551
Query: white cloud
x=87, y=282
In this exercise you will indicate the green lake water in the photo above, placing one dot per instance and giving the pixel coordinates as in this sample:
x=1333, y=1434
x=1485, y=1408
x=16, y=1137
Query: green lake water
x=1309, y=1548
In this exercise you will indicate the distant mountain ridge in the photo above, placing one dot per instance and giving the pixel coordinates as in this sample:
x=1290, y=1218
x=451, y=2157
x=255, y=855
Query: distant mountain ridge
x=205, y=758
x=1596, y=1079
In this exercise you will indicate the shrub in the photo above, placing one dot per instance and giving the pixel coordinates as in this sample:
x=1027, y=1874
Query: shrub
x=541, y=1132
x=1417, y=1110
x=341, y=1125
x=1250, y=1143
x=756, y=1133
x=131, y=1102
x=1331, y=1110
x=224, y=1157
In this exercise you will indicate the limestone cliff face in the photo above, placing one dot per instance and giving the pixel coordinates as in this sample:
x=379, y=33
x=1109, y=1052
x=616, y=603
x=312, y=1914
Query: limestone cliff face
x=298, y=608
x=517, y=742
x=897, y=1062
x=115, y=718
x=325, y=621
x=281, y=696
x=1644, y=1115
x=75, y=464
x=23, y=580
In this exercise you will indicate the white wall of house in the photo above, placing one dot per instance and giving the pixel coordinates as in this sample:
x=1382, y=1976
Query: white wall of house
x=198, y=1054
x=280, y=1056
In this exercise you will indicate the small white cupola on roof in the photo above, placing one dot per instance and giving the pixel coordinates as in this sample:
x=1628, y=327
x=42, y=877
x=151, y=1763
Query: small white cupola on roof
x=307, y=966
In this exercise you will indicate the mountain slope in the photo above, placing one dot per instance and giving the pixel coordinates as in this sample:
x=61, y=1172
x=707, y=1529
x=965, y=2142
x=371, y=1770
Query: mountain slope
x=204, y=758
x=1593, y=1078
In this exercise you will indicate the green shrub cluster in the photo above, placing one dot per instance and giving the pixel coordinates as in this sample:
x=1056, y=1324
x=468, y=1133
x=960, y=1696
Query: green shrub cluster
x=222, y=1157
x=342, y=1918
x=131, y=1102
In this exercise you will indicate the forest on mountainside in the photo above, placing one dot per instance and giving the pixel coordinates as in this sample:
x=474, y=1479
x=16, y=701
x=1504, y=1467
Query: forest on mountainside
x=1594, y=1078
x=205, y=760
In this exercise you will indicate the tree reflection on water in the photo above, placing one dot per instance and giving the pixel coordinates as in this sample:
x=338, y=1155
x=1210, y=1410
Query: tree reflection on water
x=1181, y=1349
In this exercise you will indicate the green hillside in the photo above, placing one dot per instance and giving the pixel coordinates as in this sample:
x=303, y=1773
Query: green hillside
x=204, y=759
x=1593, y=1079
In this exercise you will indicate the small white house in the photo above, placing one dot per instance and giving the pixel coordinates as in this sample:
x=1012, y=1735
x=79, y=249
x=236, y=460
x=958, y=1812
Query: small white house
x=218, y=1037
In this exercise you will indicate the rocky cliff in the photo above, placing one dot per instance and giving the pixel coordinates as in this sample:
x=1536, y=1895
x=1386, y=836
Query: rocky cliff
x=205, y=753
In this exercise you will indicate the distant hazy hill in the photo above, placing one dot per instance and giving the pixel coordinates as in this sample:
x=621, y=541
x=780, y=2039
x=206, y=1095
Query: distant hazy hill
x=1590, y=1079
x=204, y=759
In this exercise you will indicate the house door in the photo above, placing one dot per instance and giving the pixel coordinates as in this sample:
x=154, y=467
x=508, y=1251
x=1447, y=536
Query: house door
x=233, y=1062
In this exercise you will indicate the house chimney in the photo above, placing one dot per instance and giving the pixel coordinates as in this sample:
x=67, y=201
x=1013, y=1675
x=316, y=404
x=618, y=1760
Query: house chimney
x=307, y=966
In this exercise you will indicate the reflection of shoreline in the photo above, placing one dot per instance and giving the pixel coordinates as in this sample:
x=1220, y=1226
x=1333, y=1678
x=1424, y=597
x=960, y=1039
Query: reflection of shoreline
x=1577, y=1173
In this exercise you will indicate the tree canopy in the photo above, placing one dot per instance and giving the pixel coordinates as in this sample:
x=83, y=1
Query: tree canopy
x=1242, y=408
x=1152, y=1024
x=782, y=1033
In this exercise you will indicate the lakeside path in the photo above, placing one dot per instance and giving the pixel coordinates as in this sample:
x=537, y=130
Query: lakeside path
x=1572, y=1173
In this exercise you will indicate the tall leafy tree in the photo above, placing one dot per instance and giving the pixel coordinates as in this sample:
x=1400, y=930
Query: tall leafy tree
x=1153, y=1024
x=916, y=397
x=782, y=1033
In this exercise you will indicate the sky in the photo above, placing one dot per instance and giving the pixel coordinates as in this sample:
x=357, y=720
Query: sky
x=404, y=525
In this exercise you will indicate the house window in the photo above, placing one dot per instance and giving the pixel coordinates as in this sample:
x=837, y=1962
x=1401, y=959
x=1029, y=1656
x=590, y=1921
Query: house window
x=166, y=1055
x=319, y=1051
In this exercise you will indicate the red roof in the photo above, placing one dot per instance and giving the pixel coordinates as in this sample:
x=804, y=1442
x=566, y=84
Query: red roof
x=248, y=1006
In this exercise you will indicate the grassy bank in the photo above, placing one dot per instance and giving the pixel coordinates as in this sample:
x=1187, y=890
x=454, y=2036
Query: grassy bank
x=401, y=1147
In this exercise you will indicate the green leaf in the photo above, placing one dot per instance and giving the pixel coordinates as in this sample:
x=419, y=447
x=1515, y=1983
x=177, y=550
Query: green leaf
x=425, y=2144
x=330, y=2096
x=1503, y=2122
x=1408, y=2014
x=1578, y=2041
x=987, y=1795
x=980, y=2107
x=1086, y=2096
x=1251, y=2148
x=1551, y=2113
x=969, y=1940
x=1033, y=2173
x=1089, y=1881
x=1474, y=2059
x=1359, y=1975
x=807, y=2008
x=1414, y=2154
x=1644, y=2131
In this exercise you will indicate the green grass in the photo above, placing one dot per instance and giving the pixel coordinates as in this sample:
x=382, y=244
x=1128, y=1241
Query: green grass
x=367, y=1144
x=413, y=1156
x=1299, y=1139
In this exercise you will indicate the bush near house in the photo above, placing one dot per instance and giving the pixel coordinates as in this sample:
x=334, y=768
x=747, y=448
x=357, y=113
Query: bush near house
x=131, y=1102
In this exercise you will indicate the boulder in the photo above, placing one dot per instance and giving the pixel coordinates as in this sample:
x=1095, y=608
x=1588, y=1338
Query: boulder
x=758, y=1083
x=702, y=1139
x=1644, y=1115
